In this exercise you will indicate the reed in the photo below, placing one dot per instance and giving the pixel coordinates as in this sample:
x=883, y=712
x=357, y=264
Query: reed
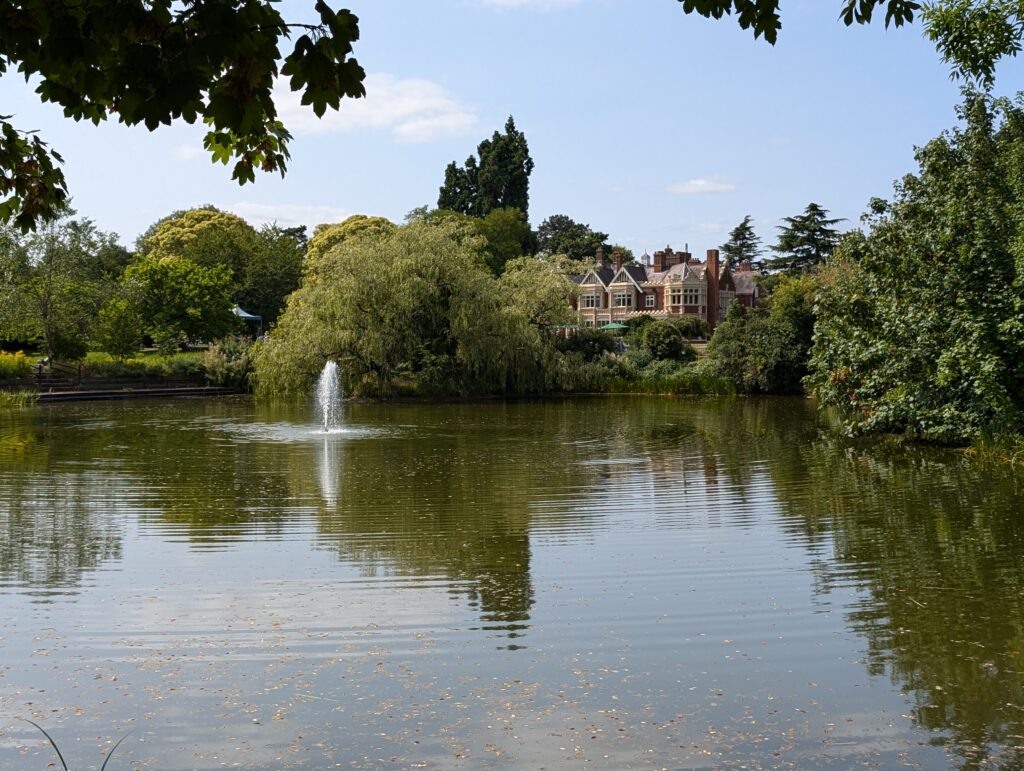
x=56, y=749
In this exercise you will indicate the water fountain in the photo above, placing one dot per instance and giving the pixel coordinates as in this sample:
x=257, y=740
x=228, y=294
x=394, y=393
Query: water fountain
x=328, y=397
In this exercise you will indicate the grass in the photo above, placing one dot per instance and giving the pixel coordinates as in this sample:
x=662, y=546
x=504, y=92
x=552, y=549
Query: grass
x=144, y=364
x=998, y=448
x=56, y=749
x=15, y=365
x=20, y=398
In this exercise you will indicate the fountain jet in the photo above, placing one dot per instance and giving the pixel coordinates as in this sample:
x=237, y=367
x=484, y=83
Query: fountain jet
x=328, y=395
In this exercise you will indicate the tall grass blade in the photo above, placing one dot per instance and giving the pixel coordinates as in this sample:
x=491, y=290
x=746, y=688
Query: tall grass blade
x=53, y=743
x=107, y=759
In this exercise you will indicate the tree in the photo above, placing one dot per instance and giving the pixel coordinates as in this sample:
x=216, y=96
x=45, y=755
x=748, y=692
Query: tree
x=920, y=329
x=180, y=298
x=415, y=309
x=53, y=284
x=971, y=36
x=500, y=179
x=560, y=234
x=264, y=265
x=160, y=61
x=805, y=240
x=743, y=244
x=327, y=237
x=766, y=350
x=272, y=272
x=508, y=236
x=207, y=236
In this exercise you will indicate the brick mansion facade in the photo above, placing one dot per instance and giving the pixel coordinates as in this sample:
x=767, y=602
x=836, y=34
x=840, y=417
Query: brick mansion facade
x=673, y=284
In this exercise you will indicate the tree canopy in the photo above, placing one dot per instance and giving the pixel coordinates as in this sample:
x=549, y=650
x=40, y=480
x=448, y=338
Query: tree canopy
x=561, y=234
x=156, y=61
x=971, y=36
x=498, y=177
x=921, y=325
x=743, y=243
x=263, y=265
x=805, y=240
x=414, y=308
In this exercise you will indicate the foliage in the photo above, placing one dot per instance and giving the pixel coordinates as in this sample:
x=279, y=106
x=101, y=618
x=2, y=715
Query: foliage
x=538, y=291
x=970, y=35
x=691, y=326
x=273, y=272
x=119, y=327
x=14, y=365
x=560, y=234
x=506, y=233
x=228, y=363
x=668, y=377
x=264, y=265
x=174, y=365
x=412, y=310
x=973, y=36
x=763, y=15
x=591, y=344
x=499, y=178
x=664, y=340
x=766, y=350
x=156, y=62
x=743, y=244
x=206, y=236
x=52, y=284
x=326, y=237
x=178, y=298
x=508, y=236
x=921, y=329
x=19, y=398
x=805, y=240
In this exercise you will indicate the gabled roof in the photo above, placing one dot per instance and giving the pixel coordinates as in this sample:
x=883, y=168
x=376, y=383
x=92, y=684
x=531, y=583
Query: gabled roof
x=635, y=274
x=602, y=275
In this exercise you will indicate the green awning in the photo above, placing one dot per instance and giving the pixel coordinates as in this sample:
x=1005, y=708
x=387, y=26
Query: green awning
x=614, y=325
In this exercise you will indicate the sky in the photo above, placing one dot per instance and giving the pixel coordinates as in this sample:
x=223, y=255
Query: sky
x=656, y=127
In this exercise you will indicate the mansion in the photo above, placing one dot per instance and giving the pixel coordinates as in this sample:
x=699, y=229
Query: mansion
x=667, y=285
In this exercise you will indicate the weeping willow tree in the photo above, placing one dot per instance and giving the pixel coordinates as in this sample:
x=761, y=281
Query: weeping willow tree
x=414, y=309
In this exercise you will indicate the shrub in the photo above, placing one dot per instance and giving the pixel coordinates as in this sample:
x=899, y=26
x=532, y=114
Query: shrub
x=69, y=345
x=168, y=340
x=664, y=340
x=228, y=363
x=590, y=343
x=13, y=365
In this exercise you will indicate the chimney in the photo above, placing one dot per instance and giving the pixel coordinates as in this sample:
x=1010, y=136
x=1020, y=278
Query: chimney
x=617, y=260
x=714, y=296
x=659, y=262
x=602, y=261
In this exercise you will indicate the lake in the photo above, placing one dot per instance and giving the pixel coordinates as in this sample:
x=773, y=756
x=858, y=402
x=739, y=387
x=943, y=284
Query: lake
x=631, y=582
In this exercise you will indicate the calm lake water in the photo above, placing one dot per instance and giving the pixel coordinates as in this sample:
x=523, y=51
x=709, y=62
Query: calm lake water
x=593, y=583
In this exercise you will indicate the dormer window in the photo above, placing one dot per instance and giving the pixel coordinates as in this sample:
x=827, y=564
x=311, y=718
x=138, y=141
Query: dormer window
x=622, y=299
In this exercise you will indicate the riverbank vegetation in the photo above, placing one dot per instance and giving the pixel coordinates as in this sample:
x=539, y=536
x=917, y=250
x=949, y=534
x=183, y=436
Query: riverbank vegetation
x=911, y=325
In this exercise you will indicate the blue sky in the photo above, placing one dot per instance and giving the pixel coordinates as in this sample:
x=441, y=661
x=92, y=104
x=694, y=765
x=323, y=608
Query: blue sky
x=656, y=127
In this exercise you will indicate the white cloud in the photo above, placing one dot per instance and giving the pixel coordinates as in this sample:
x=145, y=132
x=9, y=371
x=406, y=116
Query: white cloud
x=709, y=228
x=188, y=152
x=287, y=214
x=413, y=110
x=698, y=186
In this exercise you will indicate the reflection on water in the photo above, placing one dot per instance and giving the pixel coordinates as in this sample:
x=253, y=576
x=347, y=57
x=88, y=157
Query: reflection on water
x=646, y=582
